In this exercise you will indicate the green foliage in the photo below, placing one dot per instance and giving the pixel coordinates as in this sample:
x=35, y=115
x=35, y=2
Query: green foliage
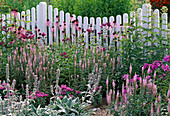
x=21, y=5
x=95, y=8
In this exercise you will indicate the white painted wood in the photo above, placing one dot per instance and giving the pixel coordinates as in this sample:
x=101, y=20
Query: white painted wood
x=98, y=29
x=73, y=28
x=80, y=25
x=92, y=39
x=55, y=27
x=8, y=19
x=111, y=30
x=42, y=18
x=139, y=17
x=125, y=21
x=18, y=17
x=23, y=19
x=156, y=24
x=33, y=20
x=149, y=20
x=61, y=23
x=105, y=32
x=3, y=18
x=85, y=26
x=50, y=17
x=118, y=29
x=28, y=19
x=3, y=23
x=145, y=15
x=68, y=25
x=8, y=23
x=164, y=27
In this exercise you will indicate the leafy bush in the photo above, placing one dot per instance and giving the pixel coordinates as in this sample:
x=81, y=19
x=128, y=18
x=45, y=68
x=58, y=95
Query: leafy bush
x=21, y=5
x=94, y=8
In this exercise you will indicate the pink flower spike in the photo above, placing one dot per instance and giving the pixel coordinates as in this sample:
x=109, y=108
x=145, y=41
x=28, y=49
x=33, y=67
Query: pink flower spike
x=107, y=81
x=152, y=109
x=113, y=83
x=159, y=97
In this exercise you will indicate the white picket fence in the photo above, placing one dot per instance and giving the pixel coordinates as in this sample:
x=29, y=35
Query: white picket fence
x=39, y=17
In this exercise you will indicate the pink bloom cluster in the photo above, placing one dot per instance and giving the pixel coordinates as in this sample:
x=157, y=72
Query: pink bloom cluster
x=9, y=94
x=38, y=94
x=64, y=40
x=64, y=89
x=64, y=54
x=167, y=58
x=158, y=64
x=67, y=90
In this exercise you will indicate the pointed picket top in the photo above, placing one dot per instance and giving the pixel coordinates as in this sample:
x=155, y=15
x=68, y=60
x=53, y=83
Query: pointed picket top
x=98, y=30
x=50, y=17
x=61, y=29
x=28, y=19
x=23, y=19
x=125, y=21
x=92, y=23
x=139, y=16
x=8, y=16
x=111, y=30
x=3, y=22
x=85, y=26
x=145, y=19
x=105, y=32
x=164, y=26
x=73, y=31
x=156, y=24
x=80, y=25
x=42, y=18
x=118, y=28
x=68, y=25
x=55, y=26
x=18, y=17
x=33, y=20
x=3, y=18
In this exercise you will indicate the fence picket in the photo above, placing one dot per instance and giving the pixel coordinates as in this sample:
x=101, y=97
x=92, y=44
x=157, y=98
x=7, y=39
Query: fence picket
x=3, y=22
x=80, y=26
x=50, y=17
x=156, y=24
x=42, y=18
x=73, y=28
x=61, y=27
x=33, y=20
x=68, y=25
x=98, y=30
x=105, y=41
x=18, y=16
x=149, y=20
x=23, y=19
x=55, y=26
x=118, y=29
x=111, y=30
x=164, y=27
x=92, y=39
x=85, y=26
x=28, y=19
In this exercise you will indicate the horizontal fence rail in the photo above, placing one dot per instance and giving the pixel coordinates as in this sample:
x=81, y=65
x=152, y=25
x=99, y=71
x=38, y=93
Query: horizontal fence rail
x=65, y=28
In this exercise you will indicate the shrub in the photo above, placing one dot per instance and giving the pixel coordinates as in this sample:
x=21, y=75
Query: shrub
x=94, y=8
